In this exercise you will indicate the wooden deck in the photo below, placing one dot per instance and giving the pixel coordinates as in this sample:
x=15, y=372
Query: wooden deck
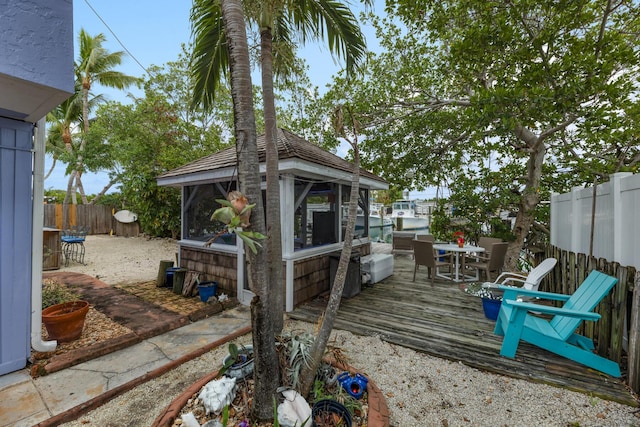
x=445, y=322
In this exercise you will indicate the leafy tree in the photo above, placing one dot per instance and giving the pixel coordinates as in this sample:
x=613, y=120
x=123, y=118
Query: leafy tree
x=545, y=89
x=154, y=134
x=440, y=222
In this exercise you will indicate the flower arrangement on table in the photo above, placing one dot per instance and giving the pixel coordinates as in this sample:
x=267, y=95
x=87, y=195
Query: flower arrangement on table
x=458, y=237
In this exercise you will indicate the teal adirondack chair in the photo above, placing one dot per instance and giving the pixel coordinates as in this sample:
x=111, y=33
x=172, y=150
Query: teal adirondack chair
x=557, y=335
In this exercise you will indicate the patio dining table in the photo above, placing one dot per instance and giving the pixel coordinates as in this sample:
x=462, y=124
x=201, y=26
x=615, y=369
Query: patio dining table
x=457, y=275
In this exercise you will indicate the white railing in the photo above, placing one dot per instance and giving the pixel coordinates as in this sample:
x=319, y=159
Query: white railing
x=617, y=220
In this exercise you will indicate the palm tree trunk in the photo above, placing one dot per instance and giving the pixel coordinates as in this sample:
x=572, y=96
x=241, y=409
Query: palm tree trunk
x=80, y=188
x=274, y=243
x=53, y=165
x=266, y=372
x=307, y=376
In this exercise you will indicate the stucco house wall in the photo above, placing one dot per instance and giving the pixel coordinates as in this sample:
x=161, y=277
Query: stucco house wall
x=36, y=74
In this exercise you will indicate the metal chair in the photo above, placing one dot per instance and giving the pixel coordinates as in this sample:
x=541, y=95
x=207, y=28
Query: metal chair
x=73, y=244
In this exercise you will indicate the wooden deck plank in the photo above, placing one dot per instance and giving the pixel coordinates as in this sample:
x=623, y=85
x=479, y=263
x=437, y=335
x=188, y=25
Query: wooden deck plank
x=443, y=321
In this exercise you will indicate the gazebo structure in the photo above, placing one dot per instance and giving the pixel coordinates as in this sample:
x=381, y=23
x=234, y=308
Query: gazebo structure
x=314, y=194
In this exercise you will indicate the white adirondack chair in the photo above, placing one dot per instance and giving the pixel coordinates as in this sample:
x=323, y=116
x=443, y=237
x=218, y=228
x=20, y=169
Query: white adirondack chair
x=529, y=281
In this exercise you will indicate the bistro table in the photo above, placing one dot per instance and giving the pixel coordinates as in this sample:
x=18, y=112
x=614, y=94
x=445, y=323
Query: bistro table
x=456, y=275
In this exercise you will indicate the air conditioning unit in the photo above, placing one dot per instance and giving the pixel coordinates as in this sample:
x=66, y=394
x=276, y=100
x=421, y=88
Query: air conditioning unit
x=377, y=266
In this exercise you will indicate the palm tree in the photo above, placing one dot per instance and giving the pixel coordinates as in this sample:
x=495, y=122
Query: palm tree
x=94, y=64
x=265, y=357
x=62, y=120
x=346, y=126
x=278, y=22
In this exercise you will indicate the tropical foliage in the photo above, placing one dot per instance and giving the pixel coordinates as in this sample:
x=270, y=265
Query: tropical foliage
x=500, y=102
x=154, y=134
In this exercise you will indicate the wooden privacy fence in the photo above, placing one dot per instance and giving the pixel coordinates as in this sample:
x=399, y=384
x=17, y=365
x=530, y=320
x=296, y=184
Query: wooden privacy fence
x=621, y=307
x=98, y=218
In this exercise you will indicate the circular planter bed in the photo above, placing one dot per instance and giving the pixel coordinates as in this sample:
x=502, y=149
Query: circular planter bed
x=377, y=415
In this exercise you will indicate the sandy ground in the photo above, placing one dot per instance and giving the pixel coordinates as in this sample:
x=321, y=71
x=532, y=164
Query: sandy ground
x=116, y=260
x=421, y=390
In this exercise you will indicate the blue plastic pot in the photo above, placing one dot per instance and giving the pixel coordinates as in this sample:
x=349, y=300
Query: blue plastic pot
x=491, y=308
x=207, y=290
x=169, y=276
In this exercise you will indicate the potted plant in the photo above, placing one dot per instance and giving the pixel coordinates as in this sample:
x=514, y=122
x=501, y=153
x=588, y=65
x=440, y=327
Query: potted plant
x=239, y=362
x=491, y=299
x=63, y=314
x=330, y=413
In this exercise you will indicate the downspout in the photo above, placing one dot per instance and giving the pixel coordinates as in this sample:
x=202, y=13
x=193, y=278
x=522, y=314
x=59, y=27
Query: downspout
x=36, y=243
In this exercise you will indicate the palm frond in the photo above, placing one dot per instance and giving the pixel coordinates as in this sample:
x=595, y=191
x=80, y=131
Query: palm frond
x=331, y=20
x=210, y=57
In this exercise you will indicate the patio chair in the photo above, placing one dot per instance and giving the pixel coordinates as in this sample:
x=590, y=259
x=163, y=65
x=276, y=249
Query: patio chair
x=424, y=254
x=401, y=242
x=493, y=263
x=531, y=281
x=517, y=323
x=486, y=243
x=426, y=237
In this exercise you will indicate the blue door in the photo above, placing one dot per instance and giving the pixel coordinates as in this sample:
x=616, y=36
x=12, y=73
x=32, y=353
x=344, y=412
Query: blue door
x=16, y=143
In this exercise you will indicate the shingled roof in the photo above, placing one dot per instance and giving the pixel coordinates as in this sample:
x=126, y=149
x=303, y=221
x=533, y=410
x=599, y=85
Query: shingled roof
x=290, y=146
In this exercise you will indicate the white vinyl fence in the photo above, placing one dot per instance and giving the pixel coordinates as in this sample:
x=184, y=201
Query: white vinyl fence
x=617, y=220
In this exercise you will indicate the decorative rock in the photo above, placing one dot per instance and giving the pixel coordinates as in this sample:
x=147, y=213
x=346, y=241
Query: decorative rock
x=189, y=420
x=217, y=394
x=294, y=411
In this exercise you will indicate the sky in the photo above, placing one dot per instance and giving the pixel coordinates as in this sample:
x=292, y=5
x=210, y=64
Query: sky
x=151, y=33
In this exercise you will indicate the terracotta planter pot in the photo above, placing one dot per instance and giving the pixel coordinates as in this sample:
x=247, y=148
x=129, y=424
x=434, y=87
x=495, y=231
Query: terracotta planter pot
x=64, y=322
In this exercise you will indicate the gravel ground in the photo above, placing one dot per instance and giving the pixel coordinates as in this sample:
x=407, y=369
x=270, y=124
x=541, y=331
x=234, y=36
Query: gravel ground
x=421, y=390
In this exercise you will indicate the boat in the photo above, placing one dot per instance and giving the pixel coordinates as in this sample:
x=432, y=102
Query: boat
x=380, y=227
x=403, y=215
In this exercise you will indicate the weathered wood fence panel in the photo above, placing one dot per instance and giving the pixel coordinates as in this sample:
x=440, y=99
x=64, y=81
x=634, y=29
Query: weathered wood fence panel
x=621, y=304
x=98, y=218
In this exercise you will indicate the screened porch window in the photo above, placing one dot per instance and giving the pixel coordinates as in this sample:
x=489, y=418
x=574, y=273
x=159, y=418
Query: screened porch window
x=320, y=215
x=362, y=218
x=316, y=214
x=200, y=203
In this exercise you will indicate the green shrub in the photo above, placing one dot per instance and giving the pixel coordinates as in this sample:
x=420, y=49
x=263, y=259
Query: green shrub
x=55, y=293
